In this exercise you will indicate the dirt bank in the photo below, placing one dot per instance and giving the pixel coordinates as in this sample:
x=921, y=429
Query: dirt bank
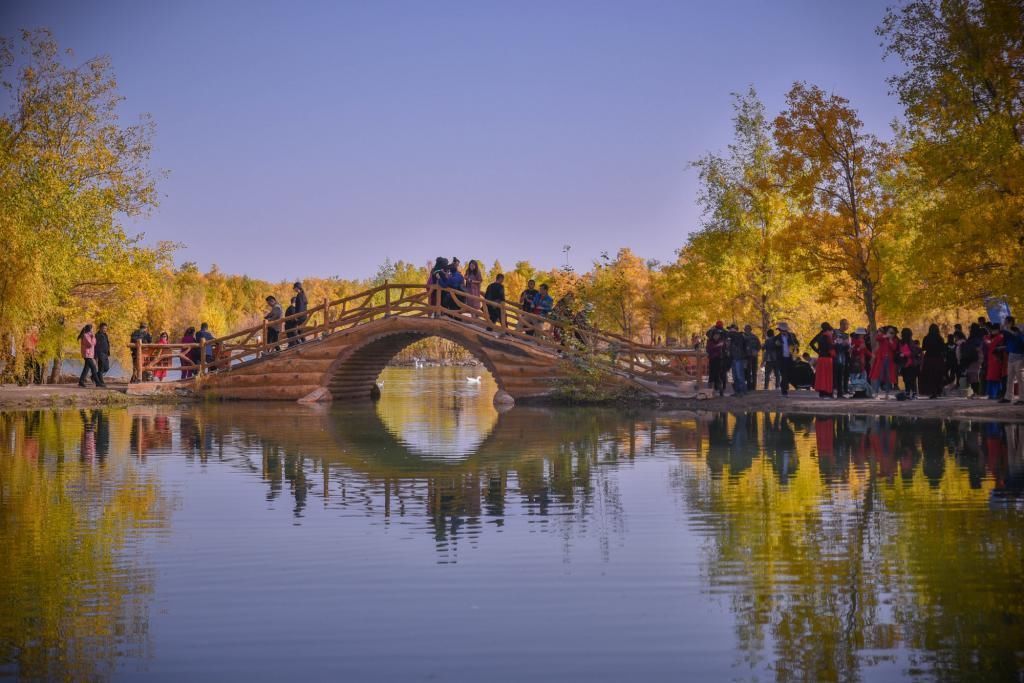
x=13, y=397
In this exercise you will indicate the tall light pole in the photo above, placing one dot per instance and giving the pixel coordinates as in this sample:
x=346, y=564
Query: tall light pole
x=565, y=250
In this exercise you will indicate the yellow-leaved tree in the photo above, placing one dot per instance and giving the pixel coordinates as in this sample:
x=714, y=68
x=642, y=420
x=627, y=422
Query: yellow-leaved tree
x=70, y=172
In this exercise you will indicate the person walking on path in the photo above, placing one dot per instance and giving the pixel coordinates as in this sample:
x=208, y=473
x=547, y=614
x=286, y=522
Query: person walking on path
x=102, y=351
x=473, y=282
x=87, y=342
x=823, y=374
x=753, y=345
x=139, y=335
x=788, y=348
x=495, y=294
x=274, y=325
x=301, y=310
x=289, y=323
x=933, y=369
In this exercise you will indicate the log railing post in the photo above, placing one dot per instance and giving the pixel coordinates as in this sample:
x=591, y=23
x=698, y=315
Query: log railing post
x=263, y=340
x=138, y=360
x=202, y=357
x=387, y=300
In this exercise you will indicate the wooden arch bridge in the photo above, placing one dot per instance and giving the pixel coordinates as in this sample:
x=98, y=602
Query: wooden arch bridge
x=342, y=346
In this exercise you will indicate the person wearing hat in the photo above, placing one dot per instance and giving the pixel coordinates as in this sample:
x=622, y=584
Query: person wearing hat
x=139, y=335
x=788, y=348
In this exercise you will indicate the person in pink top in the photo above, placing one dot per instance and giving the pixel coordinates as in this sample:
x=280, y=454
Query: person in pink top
x=88, y=344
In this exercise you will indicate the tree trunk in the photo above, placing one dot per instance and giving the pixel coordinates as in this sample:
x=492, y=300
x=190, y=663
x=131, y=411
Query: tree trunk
x=58, y=360
x=870, y=306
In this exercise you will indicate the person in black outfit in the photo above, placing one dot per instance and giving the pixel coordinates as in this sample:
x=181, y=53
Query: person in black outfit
x=495, y=292
x=788, y=348
x=772, y=351
x=301, y=307
x=139, y=335
x=102, y=351
x=290, y=323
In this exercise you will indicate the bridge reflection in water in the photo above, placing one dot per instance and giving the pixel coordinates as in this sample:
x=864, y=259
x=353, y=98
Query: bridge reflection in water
x=536, y=458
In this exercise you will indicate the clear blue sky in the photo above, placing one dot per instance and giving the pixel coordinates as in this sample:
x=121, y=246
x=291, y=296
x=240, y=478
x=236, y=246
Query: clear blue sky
x=318, y=138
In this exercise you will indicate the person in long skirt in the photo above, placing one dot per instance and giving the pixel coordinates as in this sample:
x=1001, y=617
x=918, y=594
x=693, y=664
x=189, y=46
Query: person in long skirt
x=473, y=281
x=163, y=360
x=823, y=375
x=933, y=370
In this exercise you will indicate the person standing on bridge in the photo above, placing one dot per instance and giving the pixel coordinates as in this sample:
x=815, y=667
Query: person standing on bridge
x=438, y=277
x=495, y=294
x=301, y=308
x=204, y=335
x=473, y=281
x=453, y=280
x=140, y=335
x=192, y=355
x=273, y=318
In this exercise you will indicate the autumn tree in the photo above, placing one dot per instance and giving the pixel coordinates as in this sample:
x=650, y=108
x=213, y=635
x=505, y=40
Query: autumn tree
x=70, y=172
x=746, y=213
x=843, y=181
x=963, y=93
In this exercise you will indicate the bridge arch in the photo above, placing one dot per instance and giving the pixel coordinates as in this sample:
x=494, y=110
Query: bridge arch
x=354, y=373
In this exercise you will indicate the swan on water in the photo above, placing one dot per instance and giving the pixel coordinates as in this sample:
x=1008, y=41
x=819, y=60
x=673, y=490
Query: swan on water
x=473, y=380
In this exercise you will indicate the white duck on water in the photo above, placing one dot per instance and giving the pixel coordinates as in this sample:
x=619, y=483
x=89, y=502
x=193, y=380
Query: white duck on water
x=473, y=380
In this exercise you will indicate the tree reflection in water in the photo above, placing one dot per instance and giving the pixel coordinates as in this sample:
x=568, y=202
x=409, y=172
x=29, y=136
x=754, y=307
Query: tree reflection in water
x=836, y=539
x=74, y=594
x=840, y=543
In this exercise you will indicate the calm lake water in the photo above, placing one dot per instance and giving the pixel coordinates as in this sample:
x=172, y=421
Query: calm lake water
x=431, y=538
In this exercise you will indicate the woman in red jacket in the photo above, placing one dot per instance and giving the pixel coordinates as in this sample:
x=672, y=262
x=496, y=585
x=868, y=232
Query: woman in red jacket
x=883, y=362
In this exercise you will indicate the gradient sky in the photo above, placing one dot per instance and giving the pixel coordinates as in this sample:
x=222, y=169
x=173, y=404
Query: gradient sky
x=318, y=138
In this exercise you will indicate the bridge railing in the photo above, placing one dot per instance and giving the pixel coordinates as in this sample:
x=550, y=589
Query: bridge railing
x=564, y=337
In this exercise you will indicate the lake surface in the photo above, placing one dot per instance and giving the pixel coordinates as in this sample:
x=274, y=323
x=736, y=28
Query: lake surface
x=429, y=537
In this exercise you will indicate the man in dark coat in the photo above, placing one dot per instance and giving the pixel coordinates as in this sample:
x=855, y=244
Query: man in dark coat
x=139, y=335
x=301, y=307
x=753, y=345
x=495, y=292
x=102, y=350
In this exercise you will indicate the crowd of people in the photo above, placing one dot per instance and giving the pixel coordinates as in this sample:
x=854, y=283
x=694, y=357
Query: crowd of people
x=986, y=361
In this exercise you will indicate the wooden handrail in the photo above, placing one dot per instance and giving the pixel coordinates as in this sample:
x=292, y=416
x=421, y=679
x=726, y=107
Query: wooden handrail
x=407, y=300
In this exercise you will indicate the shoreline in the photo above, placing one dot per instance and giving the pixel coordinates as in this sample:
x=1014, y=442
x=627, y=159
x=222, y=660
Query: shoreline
x=45, y=396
